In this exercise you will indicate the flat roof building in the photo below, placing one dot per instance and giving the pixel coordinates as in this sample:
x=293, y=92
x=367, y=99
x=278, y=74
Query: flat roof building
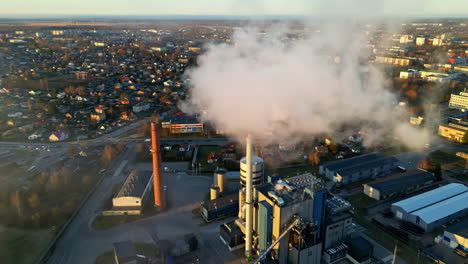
x=400, y=183
x=459, y=101
x=455, y=130
x=434, y=208
x=372, y=165
x=133, y=193
x=338, y=221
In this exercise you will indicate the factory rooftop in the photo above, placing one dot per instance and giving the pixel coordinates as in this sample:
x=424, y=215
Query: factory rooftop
x=337, y=204
x=359, y=163
x=291, y=189
x=221, y=202
x=432, y=198
x=443, y=208
x=398, y=181
x=135, y=184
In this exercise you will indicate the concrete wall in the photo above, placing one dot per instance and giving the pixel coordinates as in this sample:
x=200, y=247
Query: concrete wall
x=125, y=201
x=310, y=255
x=455, y=240
x=428, y=227
x=335, y=232
x=371, y=192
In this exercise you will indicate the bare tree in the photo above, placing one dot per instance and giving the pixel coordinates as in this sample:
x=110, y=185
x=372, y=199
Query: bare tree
x=34, y=201
x=16, y=201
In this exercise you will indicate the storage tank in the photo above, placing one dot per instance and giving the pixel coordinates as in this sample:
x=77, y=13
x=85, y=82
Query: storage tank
x=257, y=170
x=214, y=192
x=221, y=177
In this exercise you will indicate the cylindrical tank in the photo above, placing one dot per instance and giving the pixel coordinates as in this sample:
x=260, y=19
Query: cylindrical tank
x=221, y=177
x=257, y=170
x=214, y=192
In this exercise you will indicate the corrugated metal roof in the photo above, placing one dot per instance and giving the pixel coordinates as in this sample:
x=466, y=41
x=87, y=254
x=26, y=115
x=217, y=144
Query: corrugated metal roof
x=352, y=161
x=425, y=199
x=400, y=181
x=359, y=163
x=443, y=209
x=135, y=184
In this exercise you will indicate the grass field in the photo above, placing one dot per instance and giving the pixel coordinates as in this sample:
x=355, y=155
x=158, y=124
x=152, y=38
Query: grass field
x=396, y=149
x=445, y=156
x=405, y=252
x=202, y=155
x=102, y=222
x=362, y=201
x=148, y=250
x=22, y=246
x=293, y=171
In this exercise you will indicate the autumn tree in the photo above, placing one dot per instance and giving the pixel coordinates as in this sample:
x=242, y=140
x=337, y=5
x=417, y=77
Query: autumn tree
x=16, y=201
x=139, y=148
x=34, y=201
x=314, y=158
x=110, y=152
x=71, y=151
x=144, y=129
x=431, y=166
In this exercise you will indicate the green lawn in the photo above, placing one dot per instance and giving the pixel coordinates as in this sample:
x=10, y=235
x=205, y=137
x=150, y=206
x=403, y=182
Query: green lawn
x=293, y=171
x=106, y=258
x=28, y=155
x=396, y=149
x=409, y=254
x=148, y=250
x=102, y=222
x=405, y=252
x=444, y=156
x=362, y=201
x=21, y=246
x=202, y=155
x=358, y=184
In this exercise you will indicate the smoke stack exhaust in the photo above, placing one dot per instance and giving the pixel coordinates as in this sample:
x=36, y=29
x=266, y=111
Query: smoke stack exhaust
x=248, y=198
x=159, y=200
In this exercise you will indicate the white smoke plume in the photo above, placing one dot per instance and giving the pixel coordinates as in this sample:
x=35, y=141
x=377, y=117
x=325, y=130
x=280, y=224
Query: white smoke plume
x=274, y=88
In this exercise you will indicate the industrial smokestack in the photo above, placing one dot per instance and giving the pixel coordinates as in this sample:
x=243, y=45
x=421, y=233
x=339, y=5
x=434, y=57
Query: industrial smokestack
x=248, y=198
x=159, y=200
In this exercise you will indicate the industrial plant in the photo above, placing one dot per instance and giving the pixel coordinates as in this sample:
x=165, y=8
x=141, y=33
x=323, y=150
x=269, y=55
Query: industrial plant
x=282, y=220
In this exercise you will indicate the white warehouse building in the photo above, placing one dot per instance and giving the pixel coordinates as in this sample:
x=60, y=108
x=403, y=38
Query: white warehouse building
x=133, y=193
x=435, y=208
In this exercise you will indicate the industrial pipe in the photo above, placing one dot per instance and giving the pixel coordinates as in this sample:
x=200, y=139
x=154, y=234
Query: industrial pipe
x=248, y=198
x=159, y=200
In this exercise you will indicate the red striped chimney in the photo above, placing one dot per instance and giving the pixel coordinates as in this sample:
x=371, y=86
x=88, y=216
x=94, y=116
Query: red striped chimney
x=159, y=200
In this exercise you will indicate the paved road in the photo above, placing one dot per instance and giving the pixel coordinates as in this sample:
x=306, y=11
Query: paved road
x=81, y=244
x=78, y=232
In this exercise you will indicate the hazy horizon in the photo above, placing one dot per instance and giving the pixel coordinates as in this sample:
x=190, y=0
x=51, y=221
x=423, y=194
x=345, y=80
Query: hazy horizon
x=232, y=8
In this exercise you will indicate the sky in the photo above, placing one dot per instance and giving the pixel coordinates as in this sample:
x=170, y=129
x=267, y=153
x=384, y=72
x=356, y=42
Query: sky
x=9, y=8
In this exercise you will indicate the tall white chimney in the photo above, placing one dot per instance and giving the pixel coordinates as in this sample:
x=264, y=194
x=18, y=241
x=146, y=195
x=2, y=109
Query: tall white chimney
x=248, y=198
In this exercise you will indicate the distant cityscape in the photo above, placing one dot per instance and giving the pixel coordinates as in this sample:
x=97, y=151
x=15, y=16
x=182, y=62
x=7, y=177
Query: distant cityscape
x=112, y=152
